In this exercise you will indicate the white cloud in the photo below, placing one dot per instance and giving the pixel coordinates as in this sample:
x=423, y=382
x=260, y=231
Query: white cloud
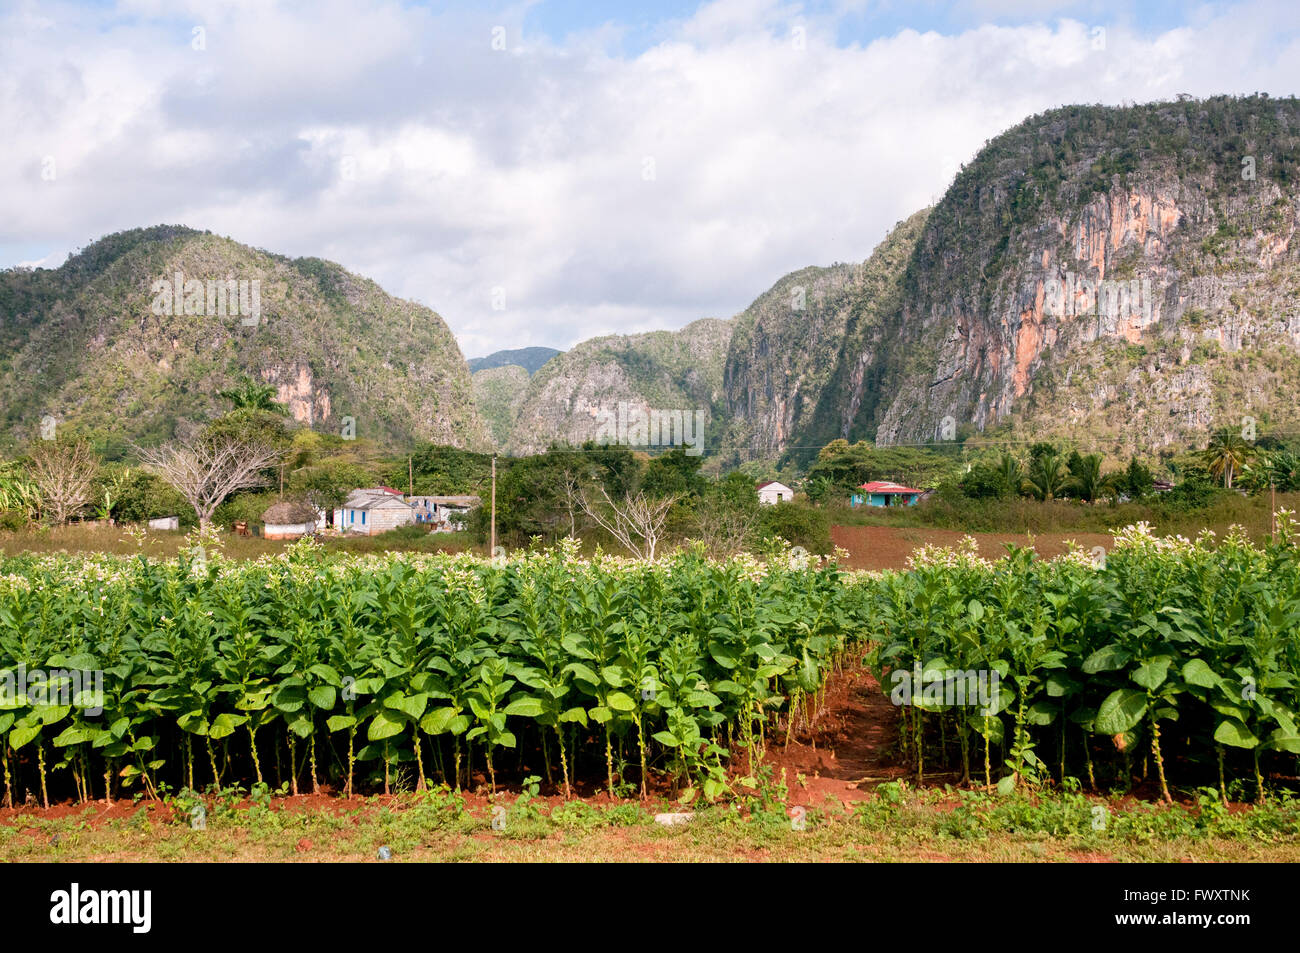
x=400, y=143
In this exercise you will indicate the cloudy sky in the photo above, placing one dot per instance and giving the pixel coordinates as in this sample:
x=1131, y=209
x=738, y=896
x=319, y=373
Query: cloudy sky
x=593, y=167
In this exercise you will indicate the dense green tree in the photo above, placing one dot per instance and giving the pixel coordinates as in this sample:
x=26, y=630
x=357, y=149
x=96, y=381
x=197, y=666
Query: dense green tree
x=1138, y=481
x=982, y=482
x=844, y=465
x=675, y=473
x=818, y=489
x=798, y=524
x=1042, y=449
x=540, y=495
x=1047, y=477
x=252, y=424
x=1010, y=474
x=1087, y=482
x=250, y=395
x=443, y=470
x=138, y=495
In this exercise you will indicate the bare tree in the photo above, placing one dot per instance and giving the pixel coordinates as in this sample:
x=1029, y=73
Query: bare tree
x=637, y=521
x=572, y=499
x=63, y=473
x=208, y=469
x=725, y=528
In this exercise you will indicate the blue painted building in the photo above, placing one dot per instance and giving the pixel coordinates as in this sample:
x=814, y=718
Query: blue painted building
x=884, y=493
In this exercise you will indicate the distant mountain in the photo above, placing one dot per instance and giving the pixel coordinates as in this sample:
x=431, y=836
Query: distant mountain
x=529, y=358
x=657, y=370
x=110, y=343
x=498, y=392
x=1125, y=279
x=804, y=356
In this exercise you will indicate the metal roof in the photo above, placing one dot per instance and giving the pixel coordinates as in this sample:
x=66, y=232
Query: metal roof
x=886, y=487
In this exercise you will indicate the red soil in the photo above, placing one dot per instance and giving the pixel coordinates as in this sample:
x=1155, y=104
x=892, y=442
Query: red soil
x=847, y=749
x=888, y=547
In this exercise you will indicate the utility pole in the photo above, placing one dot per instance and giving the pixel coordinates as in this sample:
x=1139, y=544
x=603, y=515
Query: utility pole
x=410, y=476
x=494, y=505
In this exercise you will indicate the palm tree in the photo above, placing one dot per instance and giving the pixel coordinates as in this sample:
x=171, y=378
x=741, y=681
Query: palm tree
x=1009, y=473
x=1047, y=477
x=1227, y=454
x=1086, y=479
x=250, y=395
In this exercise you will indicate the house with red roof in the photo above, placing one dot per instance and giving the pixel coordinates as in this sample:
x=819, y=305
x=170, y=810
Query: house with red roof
x=773, y=492
x=885, y=493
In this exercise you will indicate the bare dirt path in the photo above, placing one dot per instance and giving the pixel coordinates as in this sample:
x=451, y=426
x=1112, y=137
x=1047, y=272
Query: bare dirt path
x=849, y=747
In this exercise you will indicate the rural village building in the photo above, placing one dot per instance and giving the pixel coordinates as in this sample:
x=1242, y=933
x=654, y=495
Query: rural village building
x=885, y=493
x=773, y=492
x=287, y=520
x=446, y=513
x=373, y=511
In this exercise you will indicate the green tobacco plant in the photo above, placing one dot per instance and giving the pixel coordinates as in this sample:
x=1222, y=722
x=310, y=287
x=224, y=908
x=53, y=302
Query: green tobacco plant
x=291, y=670
x=1165, y=645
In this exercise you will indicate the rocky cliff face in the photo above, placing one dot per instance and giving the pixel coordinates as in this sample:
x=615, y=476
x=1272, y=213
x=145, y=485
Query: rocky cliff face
x=782, y=351
x=659, y=370
x=498, y=393
x=1121, y=279
x=139, y=332
x=806, y=356
x=1124, y=279
x=1101, y=274
x=295, y=387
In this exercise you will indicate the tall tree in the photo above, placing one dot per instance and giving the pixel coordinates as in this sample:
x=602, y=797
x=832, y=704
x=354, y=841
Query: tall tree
x=1137, y=479
x=1227, y=455
x=209, y=468
x=1010, y=474
x=63, y=474
x=1087, y=482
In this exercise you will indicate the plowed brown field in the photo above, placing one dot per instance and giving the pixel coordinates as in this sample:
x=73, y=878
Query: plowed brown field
x=887, y=547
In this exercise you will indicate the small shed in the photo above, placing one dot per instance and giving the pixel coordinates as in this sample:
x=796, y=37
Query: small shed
x=287, y=520
x=885, y=493
x=165, y=522
x=773, y=492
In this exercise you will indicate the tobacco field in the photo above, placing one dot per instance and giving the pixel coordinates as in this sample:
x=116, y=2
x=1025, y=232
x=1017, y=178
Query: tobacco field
x=1168, y=658
x=1175, y=660
x=305, y=667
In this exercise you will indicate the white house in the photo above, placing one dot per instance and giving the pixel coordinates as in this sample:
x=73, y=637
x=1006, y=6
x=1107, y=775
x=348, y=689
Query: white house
x=446, y=513
x=772, y=492
x=372, y=511
x=356, y=498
